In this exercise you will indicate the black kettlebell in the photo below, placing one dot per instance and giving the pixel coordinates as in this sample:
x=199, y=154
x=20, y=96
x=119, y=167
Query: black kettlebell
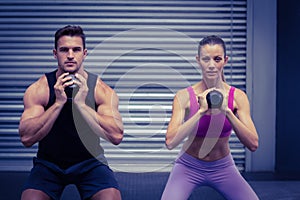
x=214, y=99
x=71, y=90
x=73, y=79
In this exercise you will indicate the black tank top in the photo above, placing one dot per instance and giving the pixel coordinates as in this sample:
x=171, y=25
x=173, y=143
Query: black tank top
x=70, y=140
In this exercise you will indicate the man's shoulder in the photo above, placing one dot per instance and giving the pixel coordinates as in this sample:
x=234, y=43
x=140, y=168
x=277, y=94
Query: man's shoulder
x=102, y=85
x=38, y=90
x=38, y=84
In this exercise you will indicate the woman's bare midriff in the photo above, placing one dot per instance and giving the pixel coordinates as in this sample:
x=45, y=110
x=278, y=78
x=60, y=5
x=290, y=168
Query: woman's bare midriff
x=220, y=149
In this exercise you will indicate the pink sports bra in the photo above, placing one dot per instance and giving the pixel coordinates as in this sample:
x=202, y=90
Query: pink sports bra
x=204, y=122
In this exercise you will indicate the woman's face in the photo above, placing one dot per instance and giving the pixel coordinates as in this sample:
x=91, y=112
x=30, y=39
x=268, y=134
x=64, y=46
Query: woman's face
x=211, y=61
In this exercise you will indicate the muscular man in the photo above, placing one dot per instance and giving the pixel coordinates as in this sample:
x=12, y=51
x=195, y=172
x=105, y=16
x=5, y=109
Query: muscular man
x=67, y=116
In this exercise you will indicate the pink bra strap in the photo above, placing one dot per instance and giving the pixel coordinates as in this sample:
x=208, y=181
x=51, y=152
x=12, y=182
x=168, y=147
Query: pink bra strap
x=193, y=101
x=231, y=97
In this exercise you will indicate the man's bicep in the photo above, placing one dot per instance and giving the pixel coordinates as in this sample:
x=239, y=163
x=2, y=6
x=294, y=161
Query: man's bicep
x=109, y=109
x=32, y=111
x=32, y=104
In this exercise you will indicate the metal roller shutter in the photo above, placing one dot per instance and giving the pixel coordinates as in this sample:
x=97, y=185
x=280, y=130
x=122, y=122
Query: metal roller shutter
x=145, y=50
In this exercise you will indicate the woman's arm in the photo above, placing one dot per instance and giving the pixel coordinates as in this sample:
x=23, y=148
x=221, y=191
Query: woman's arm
x=179, y=129
x=242, y=122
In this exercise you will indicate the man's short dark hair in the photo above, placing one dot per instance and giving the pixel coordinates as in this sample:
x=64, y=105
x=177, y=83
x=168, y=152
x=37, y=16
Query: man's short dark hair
x=70, y=30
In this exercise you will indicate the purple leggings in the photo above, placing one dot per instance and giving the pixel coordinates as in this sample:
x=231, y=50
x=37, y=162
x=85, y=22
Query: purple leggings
x=222, y=175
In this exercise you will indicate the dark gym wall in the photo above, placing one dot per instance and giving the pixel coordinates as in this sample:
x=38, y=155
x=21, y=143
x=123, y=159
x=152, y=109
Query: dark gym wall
x=288, y=87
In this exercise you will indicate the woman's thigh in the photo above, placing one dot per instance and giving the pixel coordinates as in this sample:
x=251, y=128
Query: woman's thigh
x=181, y=183
x=230, y=183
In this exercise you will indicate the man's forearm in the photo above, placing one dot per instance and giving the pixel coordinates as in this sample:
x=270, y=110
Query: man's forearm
x=35, y=129
x=106, y=127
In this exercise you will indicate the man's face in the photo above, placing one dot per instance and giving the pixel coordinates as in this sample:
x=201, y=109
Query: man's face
x=70, y=53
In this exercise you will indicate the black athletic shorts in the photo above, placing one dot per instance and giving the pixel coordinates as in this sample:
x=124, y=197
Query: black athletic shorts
x=89, y=177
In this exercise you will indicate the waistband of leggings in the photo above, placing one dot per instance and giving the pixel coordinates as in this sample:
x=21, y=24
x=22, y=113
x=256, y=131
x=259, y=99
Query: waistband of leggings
x=187, y=159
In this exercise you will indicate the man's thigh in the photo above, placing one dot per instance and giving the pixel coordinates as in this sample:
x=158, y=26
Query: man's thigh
x=45, y=180
x=98, y=181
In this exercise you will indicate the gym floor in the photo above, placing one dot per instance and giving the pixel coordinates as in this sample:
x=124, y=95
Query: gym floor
x=149, y=186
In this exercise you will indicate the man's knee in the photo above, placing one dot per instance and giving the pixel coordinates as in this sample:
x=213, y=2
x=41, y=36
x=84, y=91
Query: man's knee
x=108, y=194
x=32, y=194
